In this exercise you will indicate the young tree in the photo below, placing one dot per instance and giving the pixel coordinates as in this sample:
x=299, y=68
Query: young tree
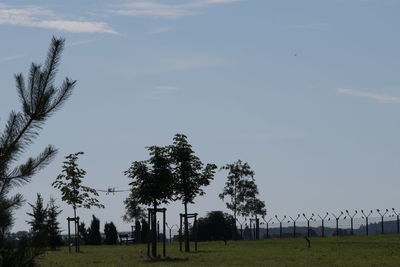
x=39, y=215
x=94, y=237
x=53, y=225
x=40, y=99
x=111, y=233
x=238, y=186
x=72, y=191
x=190, y=176
x=152, y=184
x=254, y=206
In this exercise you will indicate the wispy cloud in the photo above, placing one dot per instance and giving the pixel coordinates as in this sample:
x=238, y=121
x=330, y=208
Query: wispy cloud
x=159, y=91
x=310, y=26
x=9, y=58
x=162, y=10
x=161, y=30
x=81, y=42
x=35, y=16
x=379, y=97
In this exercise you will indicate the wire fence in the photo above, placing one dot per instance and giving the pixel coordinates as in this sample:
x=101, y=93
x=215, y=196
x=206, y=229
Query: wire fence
x=342, y=224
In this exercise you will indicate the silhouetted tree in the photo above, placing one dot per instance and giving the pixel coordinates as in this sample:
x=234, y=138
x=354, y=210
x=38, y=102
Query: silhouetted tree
x=83, y=232
x=111, y=233
x=39, y=215
x=40, y=99
x=237, y=188
x=94, y=237
x=254, y=207
x=72, y=191
x=53, y=225
x=215, y=226
x=152, y=184
x=137, y=234
x=190, y=176
x=145, y=230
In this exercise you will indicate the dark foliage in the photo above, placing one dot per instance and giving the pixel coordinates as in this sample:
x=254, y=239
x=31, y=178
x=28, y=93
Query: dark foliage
x=83, y=232
x=111, y=233
x=190, y=176
x=39, y=215
x=152, y=184
x=215, y=226
x=145, y=230
x=53, y=228
x=137, y=233
x=40, y=99
x=94, y=237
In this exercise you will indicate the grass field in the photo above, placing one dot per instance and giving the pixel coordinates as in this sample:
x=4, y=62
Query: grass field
x=381, y=250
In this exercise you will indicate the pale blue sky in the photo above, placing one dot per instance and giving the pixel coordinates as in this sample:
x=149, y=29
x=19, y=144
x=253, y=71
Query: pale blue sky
x=307, y=92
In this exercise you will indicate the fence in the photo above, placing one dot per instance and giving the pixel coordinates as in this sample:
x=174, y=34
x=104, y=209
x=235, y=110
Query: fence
x=328, y=224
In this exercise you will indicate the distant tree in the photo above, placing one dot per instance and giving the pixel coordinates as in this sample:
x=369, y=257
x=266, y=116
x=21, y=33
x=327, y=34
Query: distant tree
x=72, y=191
x=190, y=176
x=111, y=233
x=215, y=226
x=40, y=99
x=144, y=231
x=39, y=215
x=83, y=232
x=137, y=232
x=237, y=188
x=94, y=237
x=53, y=225
x=254, y=207
x=152, y=184
x=133, y=211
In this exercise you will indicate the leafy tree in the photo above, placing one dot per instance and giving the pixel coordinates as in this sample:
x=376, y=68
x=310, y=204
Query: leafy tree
x=53, y=225
x=111, y=233
x=254, y=207
x=40, y=98
x=215, y=226
x=39, y=215
x=94, y=237
x=152, y=184
x=190, y=176
x=72, y=191
x=238, y=186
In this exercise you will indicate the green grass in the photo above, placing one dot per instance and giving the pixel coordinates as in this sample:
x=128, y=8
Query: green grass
x=382, y=250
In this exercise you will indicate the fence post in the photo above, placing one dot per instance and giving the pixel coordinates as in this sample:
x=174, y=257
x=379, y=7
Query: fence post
x=382, y=215
x=351, y=221
x=308, y=223
x=294, y=224
x=337, y=222
x=366, y=219
x=280, y=224
x=398, y=222
x=322, y=220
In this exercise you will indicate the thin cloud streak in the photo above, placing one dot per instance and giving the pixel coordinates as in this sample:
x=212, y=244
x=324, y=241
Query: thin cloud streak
x=82, y=42
x=38, y=17
x=161, y=30
x=9, y=58
x=379, y=97
x=159, y=91
x=155, y=9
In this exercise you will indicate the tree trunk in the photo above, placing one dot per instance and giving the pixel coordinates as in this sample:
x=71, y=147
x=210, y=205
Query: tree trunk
x=187, y=246
x=76, y=238
x=154, y=233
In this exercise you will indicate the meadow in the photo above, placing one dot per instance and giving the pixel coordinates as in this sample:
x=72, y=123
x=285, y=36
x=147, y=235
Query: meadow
x=379, y=250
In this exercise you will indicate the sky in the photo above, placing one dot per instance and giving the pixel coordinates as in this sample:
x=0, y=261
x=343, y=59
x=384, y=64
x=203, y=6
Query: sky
x=307, y=92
